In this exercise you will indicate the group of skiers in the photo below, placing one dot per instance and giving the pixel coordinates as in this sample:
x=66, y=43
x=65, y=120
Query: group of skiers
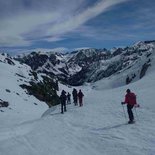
x=66, y=99
x=130, y=100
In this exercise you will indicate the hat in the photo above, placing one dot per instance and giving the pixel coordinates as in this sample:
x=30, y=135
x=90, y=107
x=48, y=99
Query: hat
x=128, y=91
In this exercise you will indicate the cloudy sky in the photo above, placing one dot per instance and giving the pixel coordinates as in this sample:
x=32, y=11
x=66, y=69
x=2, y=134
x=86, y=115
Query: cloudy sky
x=70, y=24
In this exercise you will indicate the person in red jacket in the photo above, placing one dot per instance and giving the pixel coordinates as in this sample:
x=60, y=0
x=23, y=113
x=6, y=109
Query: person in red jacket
x=80, y=96
x=130, y=100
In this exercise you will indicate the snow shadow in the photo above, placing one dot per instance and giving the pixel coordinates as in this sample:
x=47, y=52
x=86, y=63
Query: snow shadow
x=57, y=113
x=110, y=127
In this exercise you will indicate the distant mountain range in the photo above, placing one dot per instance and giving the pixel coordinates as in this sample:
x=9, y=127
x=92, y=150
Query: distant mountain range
x=91, y=65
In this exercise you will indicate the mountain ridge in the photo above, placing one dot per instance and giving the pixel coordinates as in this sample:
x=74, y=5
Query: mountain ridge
x=88, y=65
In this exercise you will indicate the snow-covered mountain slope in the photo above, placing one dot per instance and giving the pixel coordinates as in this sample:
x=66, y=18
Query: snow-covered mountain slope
x=132, y=61
x=135, y=71
x=22, y=106
x=91, y=65
x=97, y=128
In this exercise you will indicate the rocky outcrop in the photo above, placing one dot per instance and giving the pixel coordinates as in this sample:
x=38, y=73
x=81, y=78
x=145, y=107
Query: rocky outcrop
x=44, y=90
x=4, y=103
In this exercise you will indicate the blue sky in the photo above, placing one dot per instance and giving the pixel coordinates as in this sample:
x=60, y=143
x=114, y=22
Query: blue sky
x=70, y=24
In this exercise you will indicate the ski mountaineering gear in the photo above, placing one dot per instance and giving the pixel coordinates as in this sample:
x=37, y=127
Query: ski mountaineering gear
x=124, y=111
x=68, y=98
x=63, y=101
x=130, y=100
x=80, y=96
x=74, y=93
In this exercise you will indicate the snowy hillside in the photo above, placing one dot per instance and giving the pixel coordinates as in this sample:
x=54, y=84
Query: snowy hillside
x=134, y=70
x=97, y=128
x=22, y=106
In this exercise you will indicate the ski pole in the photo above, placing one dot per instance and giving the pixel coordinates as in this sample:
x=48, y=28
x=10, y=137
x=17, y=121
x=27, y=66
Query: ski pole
x=136, y=112
x=124, y=113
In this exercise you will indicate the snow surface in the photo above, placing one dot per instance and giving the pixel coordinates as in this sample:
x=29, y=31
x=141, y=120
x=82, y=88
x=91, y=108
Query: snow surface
x=97, y=128
x=22, y=107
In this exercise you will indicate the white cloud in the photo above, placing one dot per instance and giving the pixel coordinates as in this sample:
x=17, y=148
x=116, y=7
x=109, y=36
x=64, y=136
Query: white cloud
x=10, y=40
x=77, y=20
x=29, y=25
x=54, y=39
x=80, y=48
x=12, y=33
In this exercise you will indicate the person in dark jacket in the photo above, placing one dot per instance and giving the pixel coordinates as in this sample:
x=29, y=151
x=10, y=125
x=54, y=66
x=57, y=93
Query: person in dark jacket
x=80, y=97
x=68, y=98
x=130, y=100
x=75, y=97
x=63, y=101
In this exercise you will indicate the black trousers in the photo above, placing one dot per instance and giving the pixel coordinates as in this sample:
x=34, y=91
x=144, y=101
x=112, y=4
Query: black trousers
x=130, y=113
x=63, y=107
x=75, y=100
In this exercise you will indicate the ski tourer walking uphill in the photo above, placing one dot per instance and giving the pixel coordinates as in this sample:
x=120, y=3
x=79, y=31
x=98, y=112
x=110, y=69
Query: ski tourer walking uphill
x=80, y=96
x=74, y=93
x=63, y=101
x=68, y=98
x=130, y=100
